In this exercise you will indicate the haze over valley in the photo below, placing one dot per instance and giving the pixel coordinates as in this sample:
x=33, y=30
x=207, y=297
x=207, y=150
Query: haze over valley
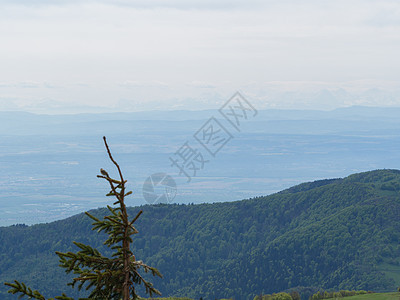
x=49, y=163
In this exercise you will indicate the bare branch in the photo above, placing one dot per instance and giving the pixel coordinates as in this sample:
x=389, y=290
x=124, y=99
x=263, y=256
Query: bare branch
x=112, y=159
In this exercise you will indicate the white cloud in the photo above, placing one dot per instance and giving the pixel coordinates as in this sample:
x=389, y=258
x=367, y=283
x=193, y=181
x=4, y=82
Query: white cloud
x=156, y=50
x=149, y=4
x=201, y=84
x=141, y=84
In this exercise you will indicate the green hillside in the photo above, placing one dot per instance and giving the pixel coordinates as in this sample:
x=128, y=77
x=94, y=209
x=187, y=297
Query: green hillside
x=378, y=296
x=341, y=234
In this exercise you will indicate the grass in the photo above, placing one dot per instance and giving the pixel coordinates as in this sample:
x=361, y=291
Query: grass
x=377, y=296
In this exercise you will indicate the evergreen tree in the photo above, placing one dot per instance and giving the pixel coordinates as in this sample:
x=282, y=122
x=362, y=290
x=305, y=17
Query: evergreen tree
x=106, y=277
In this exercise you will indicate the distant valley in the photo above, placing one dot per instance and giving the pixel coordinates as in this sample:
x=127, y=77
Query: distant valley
x=49, y=163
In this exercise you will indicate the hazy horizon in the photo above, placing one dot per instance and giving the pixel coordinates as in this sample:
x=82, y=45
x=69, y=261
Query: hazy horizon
x=82, y=56
x=49, y=163
x=77, y=110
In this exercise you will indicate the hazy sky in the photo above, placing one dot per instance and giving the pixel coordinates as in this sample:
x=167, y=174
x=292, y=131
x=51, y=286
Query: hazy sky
x=60, y=56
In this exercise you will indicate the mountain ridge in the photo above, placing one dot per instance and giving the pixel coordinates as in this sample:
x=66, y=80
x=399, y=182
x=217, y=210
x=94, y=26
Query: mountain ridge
x=336, y=233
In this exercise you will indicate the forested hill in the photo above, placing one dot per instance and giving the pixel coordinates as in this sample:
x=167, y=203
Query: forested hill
x=340, y=233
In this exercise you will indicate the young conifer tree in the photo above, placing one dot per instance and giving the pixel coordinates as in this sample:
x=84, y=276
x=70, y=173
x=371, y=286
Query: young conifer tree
x=106, y=277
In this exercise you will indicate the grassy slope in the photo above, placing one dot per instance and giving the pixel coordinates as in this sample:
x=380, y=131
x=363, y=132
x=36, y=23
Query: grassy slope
x=380, y=296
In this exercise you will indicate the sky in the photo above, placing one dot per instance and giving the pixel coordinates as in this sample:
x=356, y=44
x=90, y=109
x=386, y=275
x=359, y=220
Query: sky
x=94, y=56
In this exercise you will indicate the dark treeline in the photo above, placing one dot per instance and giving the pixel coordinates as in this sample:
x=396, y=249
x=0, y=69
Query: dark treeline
x=335, y=295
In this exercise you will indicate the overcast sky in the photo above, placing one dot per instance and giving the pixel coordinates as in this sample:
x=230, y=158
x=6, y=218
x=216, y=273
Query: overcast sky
x=69, y=56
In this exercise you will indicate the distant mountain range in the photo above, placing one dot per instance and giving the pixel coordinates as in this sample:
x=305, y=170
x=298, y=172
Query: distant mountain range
x=48, y=163
x=336, y=233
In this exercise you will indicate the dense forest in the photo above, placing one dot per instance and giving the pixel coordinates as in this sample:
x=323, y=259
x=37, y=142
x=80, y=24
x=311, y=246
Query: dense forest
x=330, y=234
